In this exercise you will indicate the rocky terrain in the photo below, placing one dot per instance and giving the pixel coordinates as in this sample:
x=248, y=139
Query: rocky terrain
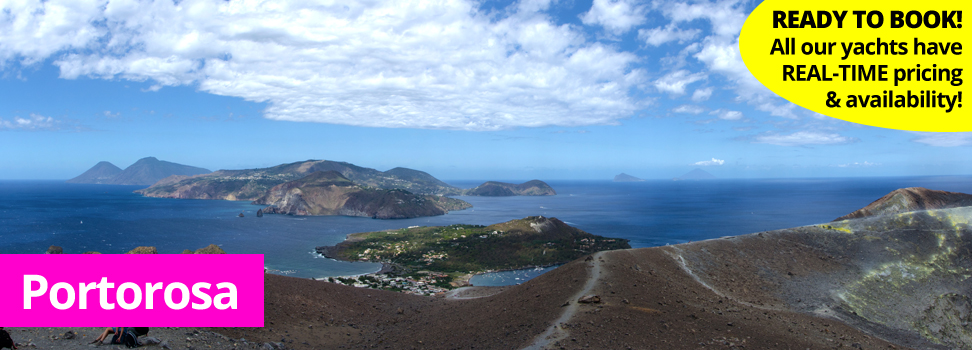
x=330, y=193
x=501, y=189
x=911, y=199
x=145, y=171
x=622, y=177
x=79, y=338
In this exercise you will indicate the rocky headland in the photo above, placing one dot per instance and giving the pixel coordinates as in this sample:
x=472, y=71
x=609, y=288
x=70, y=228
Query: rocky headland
x=330, y=193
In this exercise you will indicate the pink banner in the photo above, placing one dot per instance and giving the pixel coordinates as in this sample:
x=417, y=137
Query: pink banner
x=145, y=290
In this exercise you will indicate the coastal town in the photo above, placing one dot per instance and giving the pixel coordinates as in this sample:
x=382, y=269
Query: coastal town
x=423, y=283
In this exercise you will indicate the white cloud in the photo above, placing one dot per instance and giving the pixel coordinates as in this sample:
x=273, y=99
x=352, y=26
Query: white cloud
x=944, y=139
x=701, y=94
x=689, y=109
x=616, y=16
x=727, y=114
x=31, y=31
x=719, y=50
x=33, y=123
x=858, y=165
x=675, y=82
x=710, y=162
x=439, y=65
x=727, y=16
x=661, y=35
x=803, y=138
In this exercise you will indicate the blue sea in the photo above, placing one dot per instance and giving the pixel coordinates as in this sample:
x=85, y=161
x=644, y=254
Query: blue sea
x=112, y=219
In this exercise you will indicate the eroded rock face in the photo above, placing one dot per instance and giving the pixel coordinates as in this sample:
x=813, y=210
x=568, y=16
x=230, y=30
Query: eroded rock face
x=330, y=193
x=143, y=250
x=948, y=321
x=210, y=249
x=55, y=250
x=904, y=277
x=911, y=199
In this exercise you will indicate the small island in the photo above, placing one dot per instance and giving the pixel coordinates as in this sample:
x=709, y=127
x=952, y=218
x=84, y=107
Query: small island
x=446, y=256
x=503, y=189
x=622, y=177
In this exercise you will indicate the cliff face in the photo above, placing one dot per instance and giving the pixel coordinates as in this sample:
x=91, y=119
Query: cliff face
x=101, y=173
x=330, y=193
x=500, y=189
x=911, y=199
x=145, y=171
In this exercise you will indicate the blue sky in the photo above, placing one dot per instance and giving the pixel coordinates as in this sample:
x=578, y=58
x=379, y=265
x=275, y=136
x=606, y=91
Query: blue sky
x=460, y=89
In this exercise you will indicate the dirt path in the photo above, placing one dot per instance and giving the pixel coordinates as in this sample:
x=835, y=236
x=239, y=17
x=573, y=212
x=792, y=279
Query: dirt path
x=556, y=332
x=466, y=293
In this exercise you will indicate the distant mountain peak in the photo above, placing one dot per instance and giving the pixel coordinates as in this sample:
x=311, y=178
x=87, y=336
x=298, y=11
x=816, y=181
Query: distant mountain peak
x=696, y=174
x=101, y=173
x=145, y=171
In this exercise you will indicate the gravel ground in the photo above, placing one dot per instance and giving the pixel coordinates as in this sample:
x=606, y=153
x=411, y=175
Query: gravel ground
x=169, y=338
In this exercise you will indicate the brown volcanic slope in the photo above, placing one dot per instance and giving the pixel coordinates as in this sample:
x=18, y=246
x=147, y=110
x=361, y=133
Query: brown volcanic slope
x=868, y=283
x=911, y=199
x=330, y=193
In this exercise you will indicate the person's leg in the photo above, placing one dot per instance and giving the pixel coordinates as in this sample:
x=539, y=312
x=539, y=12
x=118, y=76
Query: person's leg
x=103, y=335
